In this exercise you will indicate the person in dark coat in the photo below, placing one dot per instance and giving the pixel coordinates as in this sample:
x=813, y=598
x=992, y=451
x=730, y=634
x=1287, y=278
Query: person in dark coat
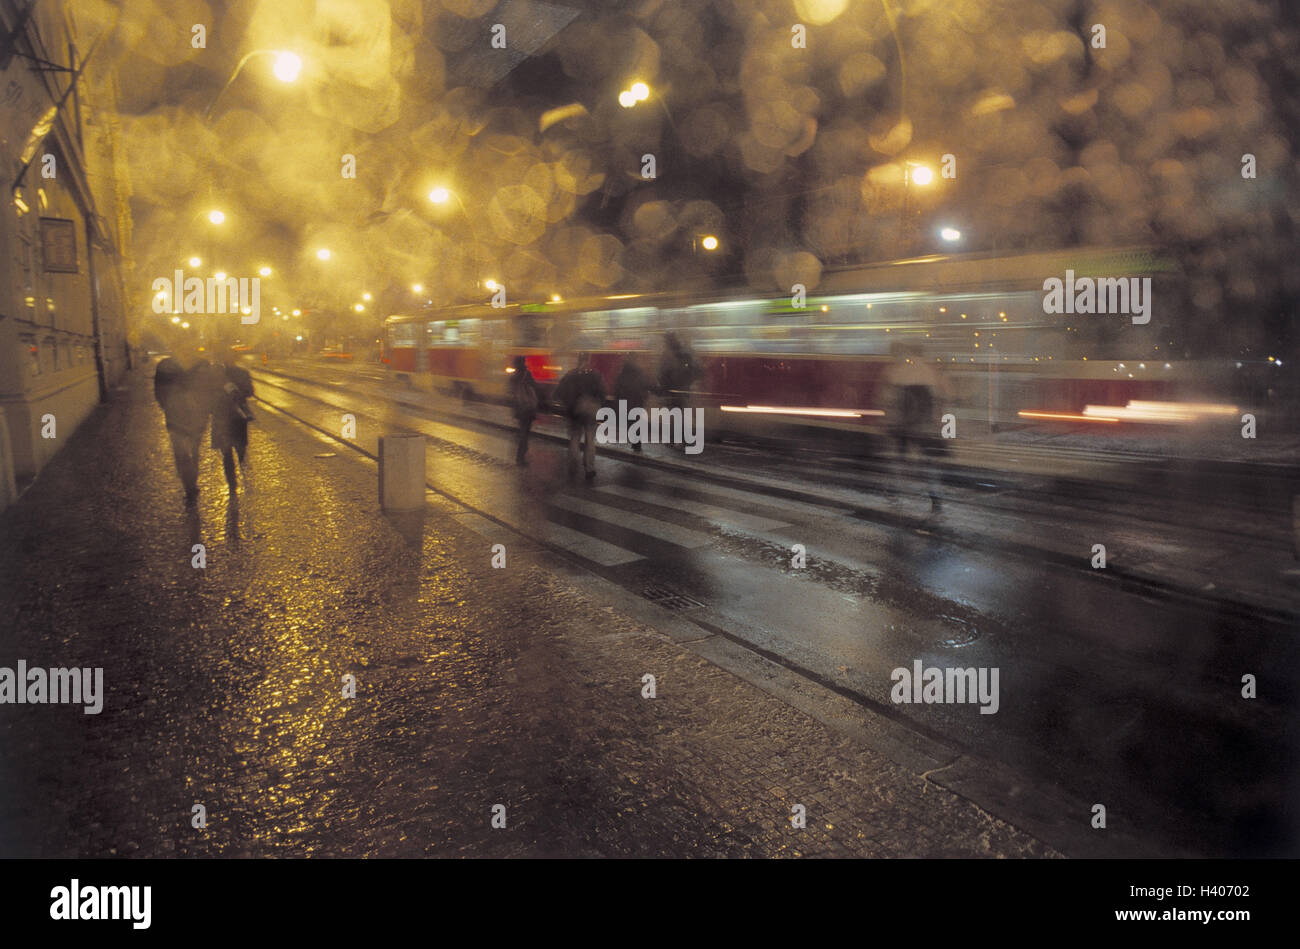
x=632, y=386
x=178, y=385
x=912, y=389
x=580, y=395
x=229, y=389
x=678, y=371
x=525, y=403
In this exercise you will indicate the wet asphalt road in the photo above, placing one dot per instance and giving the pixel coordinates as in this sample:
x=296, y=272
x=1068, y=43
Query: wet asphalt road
x=476, y=686
x=1121, y=695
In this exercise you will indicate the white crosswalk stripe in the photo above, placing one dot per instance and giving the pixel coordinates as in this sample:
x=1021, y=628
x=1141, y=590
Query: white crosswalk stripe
x=751, y=498
x=710, y=512
x=661, y=530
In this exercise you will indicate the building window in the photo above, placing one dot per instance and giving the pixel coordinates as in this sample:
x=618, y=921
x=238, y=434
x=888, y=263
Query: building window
x=33, y=354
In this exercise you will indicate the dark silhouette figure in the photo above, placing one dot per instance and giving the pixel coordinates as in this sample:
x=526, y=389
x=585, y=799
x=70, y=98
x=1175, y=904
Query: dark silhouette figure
x=632, y=386
x=179, y=389
x=913, y=388
x=678, y=372
x=229, y=389
x=580, y=395
x=525, y=402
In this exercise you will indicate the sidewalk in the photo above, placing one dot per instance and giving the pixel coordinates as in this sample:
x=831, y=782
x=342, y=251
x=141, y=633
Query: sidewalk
x=475, y=686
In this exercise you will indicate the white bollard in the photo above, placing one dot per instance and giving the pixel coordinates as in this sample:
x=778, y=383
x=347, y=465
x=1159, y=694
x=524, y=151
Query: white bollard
x=401, y=472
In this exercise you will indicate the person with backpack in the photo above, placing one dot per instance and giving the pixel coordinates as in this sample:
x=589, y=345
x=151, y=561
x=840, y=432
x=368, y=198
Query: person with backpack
x=525, y=403
x=580, y=395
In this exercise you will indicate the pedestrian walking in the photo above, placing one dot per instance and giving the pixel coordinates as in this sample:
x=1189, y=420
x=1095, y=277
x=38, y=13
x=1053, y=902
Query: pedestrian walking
x=633, y=387
x=525, y=402
x=678, y=372
x=229, y=389
x=580, y=394
x=913, y=387
x=178, y=385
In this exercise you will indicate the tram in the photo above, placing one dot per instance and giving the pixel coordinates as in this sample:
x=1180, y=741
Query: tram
x=778, y=363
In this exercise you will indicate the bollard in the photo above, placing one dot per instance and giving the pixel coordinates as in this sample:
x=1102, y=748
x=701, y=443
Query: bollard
x=401, y=472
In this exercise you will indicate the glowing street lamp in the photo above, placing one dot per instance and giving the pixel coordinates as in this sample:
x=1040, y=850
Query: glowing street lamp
x=640, y=91
x=360, y=308
x=366, y=297
x=323, y=253
x=440, y=195
x=196, y=262
x=297, y=312
x=709, y=242
x=417, y=288
x=265, y=271
x=950, y=234
x=919, y=174
x=491, y=284
x=216, y=217
x=220, y=275
x=287, y=66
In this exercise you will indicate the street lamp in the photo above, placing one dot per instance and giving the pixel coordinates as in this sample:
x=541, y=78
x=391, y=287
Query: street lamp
x=913, y=173
x=265, y=271
x=286, y=68
x=441, y=195
x=196, y=262
x=709, y=242
x=417, y=288
x=950, y=234
x=216, y=217
x=323, y=253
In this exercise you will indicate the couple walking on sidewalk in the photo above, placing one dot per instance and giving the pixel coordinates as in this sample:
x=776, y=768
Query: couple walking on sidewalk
x=191, y=390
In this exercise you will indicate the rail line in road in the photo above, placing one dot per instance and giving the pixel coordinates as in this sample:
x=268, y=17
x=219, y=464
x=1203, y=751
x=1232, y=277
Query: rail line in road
x=989, y=501
x=605, y=533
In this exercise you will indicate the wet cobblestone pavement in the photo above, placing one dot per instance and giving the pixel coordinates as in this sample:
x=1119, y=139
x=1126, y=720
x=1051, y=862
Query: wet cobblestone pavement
x=474, y=687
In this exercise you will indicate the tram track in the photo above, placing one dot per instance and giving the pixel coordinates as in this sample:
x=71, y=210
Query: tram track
x=992, y=504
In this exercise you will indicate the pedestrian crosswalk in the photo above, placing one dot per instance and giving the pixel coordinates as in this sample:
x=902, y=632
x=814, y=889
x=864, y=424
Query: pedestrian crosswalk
x=617, y=524
x=710, y=512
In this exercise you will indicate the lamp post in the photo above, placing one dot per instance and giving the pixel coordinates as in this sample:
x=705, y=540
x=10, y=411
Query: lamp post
x=921, y=175
x=441, y=195
x=286, y=68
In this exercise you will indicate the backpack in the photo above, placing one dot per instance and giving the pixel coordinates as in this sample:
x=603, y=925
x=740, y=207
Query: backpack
x=525, y=396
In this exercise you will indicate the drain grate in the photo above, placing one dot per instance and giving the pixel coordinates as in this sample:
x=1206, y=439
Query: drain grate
x=671, y=599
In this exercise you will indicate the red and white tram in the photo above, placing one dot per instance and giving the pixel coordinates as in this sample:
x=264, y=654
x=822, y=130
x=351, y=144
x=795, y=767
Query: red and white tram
x=771, y=365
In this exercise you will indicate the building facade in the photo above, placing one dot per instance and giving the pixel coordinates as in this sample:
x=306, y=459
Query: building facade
x=64, y=224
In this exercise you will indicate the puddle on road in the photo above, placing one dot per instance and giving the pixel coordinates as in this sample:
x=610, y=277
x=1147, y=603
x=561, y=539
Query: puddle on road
x=961, y=633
